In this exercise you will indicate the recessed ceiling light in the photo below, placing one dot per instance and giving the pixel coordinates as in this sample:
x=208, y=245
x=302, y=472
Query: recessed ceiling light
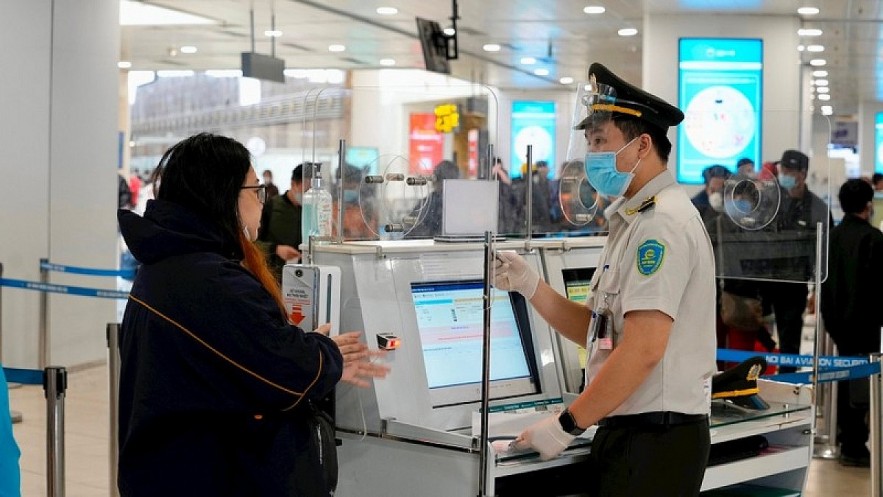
x=820, y=82
x=275, y=33
x=336, y=48
x=188, y=49
x=566, y=80
x=541, y=71
x=594, y=9
x=824, y=96
x=818, y=62
x=815, y=48
x=528, y=61
x=387, y=11
x=822, y=89
x=627, y=32
x=808, y=11
x=387, y=62
x=124, y=64
x=449, y=31
x=820, y=74
x=491, y=47
x=809, y=32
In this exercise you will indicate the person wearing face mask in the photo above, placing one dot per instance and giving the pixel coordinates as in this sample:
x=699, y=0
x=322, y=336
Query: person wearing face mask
x=798, y=214
x=280, y=233
x=359, y=210
x=272, y=189
x=215, y=382
x=649, y=324
x=711, y=199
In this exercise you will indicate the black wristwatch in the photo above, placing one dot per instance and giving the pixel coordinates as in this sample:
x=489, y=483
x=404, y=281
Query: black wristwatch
x=568, y=423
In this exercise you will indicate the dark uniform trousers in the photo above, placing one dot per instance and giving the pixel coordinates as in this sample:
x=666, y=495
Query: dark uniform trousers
x=643, y=460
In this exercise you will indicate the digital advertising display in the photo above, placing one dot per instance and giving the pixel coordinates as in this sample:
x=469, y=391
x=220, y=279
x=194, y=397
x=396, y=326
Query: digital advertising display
x=878, y=143
x=720, y=89
x=533, y=123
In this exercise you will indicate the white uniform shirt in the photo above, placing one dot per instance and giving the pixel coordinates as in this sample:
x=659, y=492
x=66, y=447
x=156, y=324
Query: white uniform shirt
x=660, y=259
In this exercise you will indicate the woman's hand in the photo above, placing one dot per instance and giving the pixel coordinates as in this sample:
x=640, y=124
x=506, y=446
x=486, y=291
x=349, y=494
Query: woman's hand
x=358, y=365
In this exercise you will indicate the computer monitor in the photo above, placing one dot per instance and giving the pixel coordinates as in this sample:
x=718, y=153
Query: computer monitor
x=449, y=322
x=435, y=46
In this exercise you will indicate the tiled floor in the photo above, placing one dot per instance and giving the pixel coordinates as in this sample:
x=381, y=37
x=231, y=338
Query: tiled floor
x=87, y=435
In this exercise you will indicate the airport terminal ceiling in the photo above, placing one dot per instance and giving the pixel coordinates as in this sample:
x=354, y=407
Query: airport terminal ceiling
x=558, y=35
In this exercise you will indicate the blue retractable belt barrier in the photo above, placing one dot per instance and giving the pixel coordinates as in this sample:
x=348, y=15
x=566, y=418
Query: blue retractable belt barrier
x=66, y=289
x=125, y=273
x=25, y=376
x=831, y=368
x=836, y=374
x=825, y=362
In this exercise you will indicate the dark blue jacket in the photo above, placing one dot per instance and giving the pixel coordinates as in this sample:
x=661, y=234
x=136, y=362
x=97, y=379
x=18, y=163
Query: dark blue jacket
x=213, y=379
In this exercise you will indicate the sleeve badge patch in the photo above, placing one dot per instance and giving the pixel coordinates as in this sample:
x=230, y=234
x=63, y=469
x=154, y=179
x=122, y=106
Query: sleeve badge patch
x=650, y=256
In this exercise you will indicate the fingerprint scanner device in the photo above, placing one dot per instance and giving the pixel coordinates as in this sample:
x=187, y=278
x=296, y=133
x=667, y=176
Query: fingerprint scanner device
x=312, y=295
x=469, y=209
x=386, y=341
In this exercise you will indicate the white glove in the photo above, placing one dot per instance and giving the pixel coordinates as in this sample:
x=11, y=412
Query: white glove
x=513, y=274
x=545, y=437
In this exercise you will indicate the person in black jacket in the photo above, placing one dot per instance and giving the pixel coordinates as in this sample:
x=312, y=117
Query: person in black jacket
x=214, y=381
x=850, y=297
x=796, y=220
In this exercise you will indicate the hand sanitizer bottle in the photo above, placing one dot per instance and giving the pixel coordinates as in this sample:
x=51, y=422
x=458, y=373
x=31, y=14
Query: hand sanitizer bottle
x=316, y=216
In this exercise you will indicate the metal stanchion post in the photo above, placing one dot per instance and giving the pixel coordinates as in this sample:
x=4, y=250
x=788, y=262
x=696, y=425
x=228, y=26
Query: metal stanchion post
x=529, y=200
x=113, y=366
x=876, y=431
x=43, y=337
x=341, y=173
x=54, y=386
x=825, y=446
x=485, y=366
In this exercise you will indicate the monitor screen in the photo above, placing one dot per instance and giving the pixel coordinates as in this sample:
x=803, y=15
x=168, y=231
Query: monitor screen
x=434, y=45
x=577, y=283
x=449, y=321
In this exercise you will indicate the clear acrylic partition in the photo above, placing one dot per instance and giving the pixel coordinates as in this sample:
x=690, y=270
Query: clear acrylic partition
x=581, y=207
x=402, y=141
x=764, y=231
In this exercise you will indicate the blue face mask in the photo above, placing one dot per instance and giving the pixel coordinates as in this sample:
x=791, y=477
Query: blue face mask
x=742, y=206
x=351, y=196
x=602, y=174
x=787, y=182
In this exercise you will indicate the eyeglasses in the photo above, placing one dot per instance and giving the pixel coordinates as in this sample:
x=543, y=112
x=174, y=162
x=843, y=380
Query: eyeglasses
x=261, y=192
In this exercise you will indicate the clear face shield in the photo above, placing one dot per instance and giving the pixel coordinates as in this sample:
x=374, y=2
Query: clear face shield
x=581, y=205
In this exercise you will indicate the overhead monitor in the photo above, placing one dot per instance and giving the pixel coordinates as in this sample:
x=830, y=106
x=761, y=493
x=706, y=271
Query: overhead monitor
x=449, y=321
x=435, y=46
x=878, y=142
x=720, y=91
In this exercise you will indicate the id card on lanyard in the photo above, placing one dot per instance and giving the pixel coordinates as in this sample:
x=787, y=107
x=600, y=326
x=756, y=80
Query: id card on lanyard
x=601, y=329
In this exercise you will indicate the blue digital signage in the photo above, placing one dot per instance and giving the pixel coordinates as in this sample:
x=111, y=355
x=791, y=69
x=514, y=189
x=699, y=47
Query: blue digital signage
x=720, y=91
x=533, y=123
x=878, y=143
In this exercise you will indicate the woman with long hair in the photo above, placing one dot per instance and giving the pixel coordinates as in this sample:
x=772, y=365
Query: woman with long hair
x=215, y=382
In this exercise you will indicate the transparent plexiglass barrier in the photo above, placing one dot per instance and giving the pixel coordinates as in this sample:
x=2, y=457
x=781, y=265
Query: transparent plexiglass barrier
x=773, y=222
x=402, y=142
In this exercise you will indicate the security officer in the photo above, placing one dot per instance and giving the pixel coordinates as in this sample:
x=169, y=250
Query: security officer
x=649, y=325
